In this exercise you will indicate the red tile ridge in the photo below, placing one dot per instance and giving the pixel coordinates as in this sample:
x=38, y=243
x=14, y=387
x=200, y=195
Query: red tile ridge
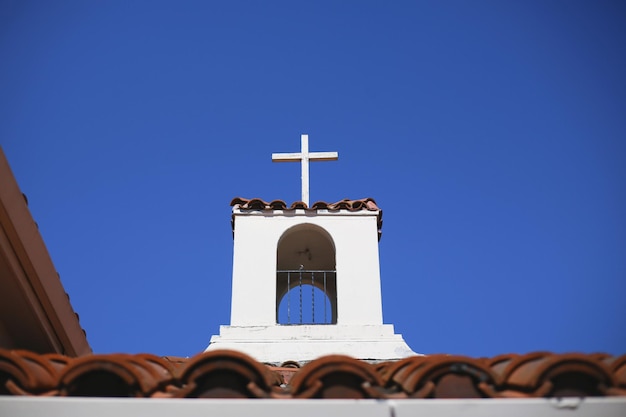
x=257, y=204
x=232, y=374
x=345, y=204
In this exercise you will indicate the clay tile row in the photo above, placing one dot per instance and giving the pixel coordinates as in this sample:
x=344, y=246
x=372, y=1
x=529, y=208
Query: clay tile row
x=231, y=374
x=345, y=204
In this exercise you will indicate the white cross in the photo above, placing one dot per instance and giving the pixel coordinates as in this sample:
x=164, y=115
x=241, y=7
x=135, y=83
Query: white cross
x=304, y=156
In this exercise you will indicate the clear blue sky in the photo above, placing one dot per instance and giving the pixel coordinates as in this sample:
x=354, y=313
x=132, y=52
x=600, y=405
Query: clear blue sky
x=492, y=134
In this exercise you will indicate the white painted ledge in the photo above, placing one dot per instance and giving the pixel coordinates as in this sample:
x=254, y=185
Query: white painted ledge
x=123, y=407
x=277, y=344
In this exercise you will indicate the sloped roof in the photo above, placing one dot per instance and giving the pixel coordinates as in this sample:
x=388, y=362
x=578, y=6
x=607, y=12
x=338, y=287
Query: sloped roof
x=255, y=204
x=35, y=310
x=231, y=374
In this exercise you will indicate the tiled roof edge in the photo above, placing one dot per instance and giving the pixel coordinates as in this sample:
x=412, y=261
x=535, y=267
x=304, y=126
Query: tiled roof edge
x=345, y=204
x=232, y=374
x=254, y=204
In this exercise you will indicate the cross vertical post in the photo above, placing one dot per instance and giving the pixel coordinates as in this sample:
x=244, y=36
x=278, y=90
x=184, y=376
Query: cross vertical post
x=304, y=159
x=304, y=156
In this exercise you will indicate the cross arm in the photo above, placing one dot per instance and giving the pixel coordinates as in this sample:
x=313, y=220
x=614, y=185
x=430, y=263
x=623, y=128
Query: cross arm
x=286, y=157
x=323, y=156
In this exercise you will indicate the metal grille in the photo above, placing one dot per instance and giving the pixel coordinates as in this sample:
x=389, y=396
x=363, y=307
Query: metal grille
x=301, y=301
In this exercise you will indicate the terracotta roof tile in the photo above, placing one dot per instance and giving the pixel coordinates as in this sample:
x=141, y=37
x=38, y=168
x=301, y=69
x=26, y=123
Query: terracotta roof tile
x=23, y=372
x=544, y=374
x=252, y=204
x=284, y=375
x=443, y=376
x=336, y=376
x=617, y=365
x=114, y=375
x=499, y=363
x=225, y=374
x=345, y=204
x=231, y=374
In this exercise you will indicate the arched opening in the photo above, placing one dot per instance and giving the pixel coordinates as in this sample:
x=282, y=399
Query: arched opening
x=306, y=280
x=316, y=306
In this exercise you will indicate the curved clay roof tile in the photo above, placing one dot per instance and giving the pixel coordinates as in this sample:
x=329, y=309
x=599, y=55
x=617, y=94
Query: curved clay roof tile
x=357, y=205
x=342, y=205
x=445, y=376
x=23, y=373
x=617, y=364
x=113, y=375
x=256, y=204
x=277, y=205
x=383, y=369
x=393, y=370
x=600, y=355
x=498, y=364
x=57, y=360
x=320, y=205
x=163, y=367
x=558, y=375
x=158, y=372
x=238, y=201
x=370, y=203
x=336, y=376
x=364, y=204
x=224, y=374
x=298, y=205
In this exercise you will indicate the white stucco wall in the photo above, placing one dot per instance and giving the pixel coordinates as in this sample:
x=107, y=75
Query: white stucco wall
x=359, y=331
x=256, y=236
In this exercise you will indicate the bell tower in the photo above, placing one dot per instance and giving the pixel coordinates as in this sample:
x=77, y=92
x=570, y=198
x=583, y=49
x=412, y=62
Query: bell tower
x=306, y=280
